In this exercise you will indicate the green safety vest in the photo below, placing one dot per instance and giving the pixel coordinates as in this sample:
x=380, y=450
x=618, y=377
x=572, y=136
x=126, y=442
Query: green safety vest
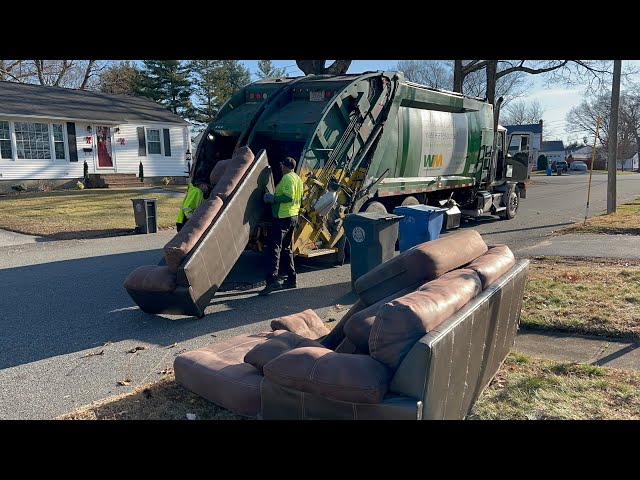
x=291, y=186
x=191, y=201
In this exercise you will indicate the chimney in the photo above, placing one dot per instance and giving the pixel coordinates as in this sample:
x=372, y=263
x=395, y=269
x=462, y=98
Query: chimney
x=541, y=131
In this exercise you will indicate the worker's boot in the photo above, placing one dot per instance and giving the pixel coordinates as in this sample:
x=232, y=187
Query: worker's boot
x=271, y=287
x=290, y=282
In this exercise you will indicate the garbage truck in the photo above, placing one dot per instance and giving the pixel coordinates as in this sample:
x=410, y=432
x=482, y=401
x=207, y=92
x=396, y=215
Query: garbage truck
x=369, y=142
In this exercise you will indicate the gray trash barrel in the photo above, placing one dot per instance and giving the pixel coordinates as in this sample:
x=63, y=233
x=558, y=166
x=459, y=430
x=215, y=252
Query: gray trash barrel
x=372, y=238
x=144, y=210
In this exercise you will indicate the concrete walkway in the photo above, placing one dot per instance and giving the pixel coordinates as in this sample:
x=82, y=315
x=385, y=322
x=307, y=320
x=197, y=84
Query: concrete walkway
x=583, y=245
x=12, y=238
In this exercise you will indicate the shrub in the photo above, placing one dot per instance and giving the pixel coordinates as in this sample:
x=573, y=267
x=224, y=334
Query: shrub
x=19, y=187
x=79, y=185
x=44, y=186
x=167, y=180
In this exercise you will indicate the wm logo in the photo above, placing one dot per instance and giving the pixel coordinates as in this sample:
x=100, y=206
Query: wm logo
x=433, y=160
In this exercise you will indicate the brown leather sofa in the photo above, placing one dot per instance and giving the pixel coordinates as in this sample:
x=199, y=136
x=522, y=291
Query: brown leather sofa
x=199, y=257
x=428, y=333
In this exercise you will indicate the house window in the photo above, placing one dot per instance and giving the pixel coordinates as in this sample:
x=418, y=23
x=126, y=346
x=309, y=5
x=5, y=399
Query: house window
x=58, y=141
x=32, y=140
x=5, y=141
x=153, y=142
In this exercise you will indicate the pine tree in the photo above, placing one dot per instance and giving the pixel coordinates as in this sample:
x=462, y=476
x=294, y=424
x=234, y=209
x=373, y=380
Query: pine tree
x=267, y=70
x=167, y=82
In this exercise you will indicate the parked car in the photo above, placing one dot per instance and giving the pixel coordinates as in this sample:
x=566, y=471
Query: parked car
x=579, y=166
x=561, y=166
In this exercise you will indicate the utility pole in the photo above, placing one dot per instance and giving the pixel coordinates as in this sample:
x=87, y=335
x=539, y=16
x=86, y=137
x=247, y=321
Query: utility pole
x=613, y=137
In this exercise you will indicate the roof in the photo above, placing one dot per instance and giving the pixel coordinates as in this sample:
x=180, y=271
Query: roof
x=66, y=103
x=531, y=127
x=552, y=146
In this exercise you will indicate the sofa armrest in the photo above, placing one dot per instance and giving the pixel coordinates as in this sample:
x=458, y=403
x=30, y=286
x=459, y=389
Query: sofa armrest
x=337, y=376
x=306, y=324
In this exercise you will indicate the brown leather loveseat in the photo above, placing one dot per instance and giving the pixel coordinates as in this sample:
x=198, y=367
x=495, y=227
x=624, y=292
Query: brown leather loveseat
x=428, y=333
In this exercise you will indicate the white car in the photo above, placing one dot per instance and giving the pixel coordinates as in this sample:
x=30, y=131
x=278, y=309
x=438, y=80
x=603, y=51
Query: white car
x=579, y=166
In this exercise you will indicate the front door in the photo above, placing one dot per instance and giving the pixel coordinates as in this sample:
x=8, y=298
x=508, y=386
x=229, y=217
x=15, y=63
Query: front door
x=103, y=144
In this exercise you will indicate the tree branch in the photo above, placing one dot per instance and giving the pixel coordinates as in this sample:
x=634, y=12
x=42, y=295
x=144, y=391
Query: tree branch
x=87, y=74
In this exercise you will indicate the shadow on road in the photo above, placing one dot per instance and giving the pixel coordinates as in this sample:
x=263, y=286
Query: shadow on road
x=63, y=307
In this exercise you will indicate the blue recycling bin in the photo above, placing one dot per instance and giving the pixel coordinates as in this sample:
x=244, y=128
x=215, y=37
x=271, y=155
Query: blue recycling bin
x=421, y=223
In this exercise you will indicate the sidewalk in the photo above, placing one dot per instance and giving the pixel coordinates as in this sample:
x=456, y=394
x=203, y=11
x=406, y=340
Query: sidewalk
x=585, y=245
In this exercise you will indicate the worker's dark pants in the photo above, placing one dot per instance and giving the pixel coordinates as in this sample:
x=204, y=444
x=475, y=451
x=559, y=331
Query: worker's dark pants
x=280, y=239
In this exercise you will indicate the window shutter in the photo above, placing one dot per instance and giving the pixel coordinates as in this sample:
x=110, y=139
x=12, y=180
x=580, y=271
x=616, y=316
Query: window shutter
x=167, y=142
x=71, y=139
x=142, y=143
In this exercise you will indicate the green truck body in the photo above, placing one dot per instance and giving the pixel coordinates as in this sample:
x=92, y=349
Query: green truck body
x=369, y=141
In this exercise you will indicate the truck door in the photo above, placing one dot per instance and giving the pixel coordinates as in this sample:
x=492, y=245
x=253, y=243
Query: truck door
x=517, y=164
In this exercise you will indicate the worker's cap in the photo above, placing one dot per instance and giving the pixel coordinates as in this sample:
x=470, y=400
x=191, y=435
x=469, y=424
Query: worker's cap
x=288, y=162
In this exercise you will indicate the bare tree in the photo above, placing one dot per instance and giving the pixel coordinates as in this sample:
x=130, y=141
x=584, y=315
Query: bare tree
x=80, y=74
x=266, y=69
x=522, y=113
x=432, y=73
x=317, y=67
x=120, y=78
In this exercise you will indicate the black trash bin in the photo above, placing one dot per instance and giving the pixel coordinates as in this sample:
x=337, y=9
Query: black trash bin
x=144, y=210
x=372, y=238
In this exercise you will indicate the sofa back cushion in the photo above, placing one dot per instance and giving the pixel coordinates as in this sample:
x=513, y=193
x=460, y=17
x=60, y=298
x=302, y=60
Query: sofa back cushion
x=358, y=327
x=179, y=246
x=493, y=264
x=306, y=324
x=151, y=278
x=217, y=171
x=421, y=263
x=399, y=324
x=233, y=173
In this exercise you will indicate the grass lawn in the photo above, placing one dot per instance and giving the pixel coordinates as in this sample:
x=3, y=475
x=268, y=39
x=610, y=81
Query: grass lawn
x=89, y=213
x=523, y=388
x=626, y=221
x=535, y=389
x=593, y=296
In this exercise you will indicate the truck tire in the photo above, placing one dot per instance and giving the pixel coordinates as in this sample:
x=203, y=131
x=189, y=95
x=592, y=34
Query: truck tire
x=375, y=207
x=410, y=200
x=512, y=205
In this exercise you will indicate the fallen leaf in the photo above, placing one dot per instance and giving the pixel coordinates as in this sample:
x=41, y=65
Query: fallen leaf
x=124, y=382
x=213, y=335
x=135, y=349
x=107, y=343
x=173, y=345
x=191, y=416
x=167, y=371
x=93, y=354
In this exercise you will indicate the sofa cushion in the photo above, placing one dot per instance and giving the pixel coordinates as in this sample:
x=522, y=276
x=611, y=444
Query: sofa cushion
x=179, y=246
x=151, y=278
x=281, y=341
x=217, y=171
x=358, y=327
x=306, y=324
x=399, y=324
x=493, y=264
x=218, y=373
x=338, y=376
x=421, y=263
x=233, y=173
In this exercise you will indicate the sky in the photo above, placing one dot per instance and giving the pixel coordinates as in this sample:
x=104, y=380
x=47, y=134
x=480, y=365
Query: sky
x=556, y=101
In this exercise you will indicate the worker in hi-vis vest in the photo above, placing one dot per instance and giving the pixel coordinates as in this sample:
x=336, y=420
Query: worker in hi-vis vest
x=285, y=207
x=195, y=196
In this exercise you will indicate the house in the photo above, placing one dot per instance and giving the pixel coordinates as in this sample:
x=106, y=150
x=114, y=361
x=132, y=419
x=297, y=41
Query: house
x=629, y=164
x=48, y=133
x=553, y=150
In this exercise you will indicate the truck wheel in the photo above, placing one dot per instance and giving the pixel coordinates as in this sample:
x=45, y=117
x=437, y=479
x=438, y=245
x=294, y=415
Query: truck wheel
x=512, y=205
x=410, y=200
x=375, y=207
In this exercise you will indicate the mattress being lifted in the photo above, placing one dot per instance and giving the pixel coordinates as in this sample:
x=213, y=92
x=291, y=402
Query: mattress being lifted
x=201, y=255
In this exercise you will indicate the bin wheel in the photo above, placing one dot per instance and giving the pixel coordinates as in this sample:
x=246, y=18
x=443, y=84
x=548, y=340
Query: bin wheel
x=376, y=207
x=410, y=200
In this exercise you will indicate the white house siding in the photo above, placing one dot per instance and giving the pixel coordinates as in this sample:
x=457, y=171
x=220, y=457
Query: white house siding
x=554, y=155
x=126, y=159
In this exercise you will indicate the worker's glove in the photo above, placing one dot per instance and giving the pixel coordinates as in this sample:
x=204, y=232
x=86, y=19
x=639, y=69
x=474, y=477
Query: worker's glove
x=268, y=198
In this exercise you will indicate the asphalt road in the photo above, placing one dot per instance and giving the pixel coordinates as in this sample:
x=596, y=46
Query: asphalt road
x=67, y=324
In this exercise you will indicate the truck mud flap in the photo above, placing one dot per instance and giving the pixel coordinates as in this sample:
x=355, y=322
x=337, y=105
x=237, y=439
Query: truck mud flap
x=207, y=265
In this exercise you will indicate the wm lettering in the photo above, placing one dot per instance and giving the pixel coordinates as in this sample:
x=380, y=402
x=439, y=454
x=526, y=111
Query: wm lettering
x=432, y=160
